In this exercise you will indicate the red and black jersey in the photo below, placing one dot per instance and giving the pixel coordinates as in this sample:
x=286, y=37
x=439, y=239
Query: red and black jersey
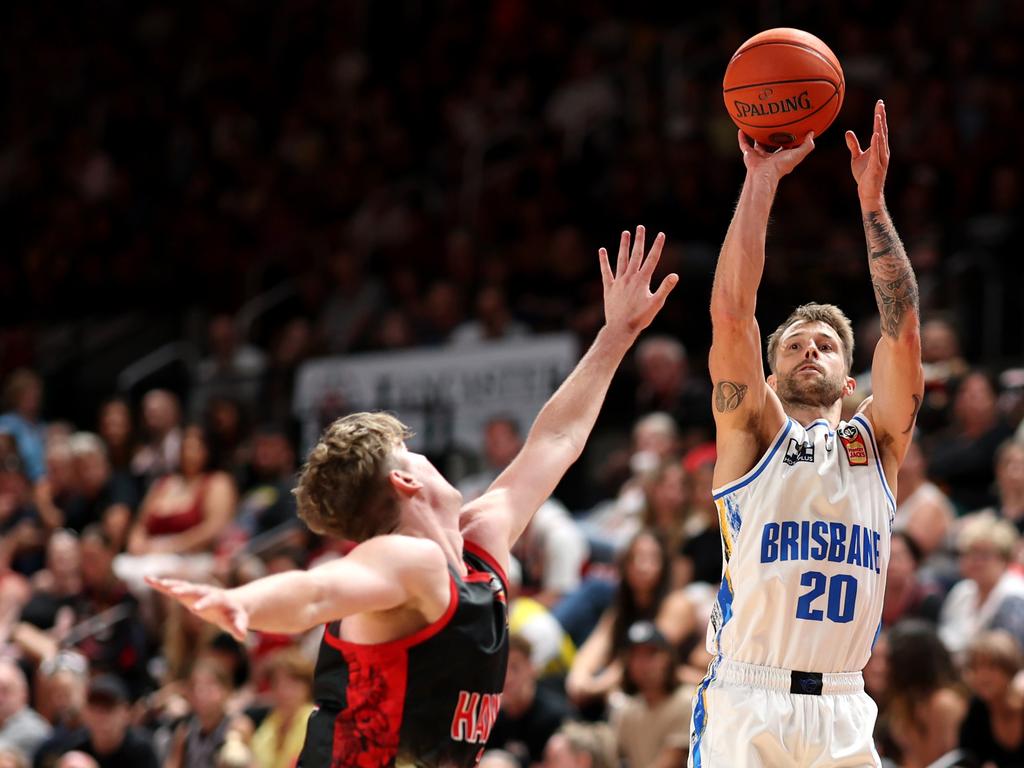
x=427, y=700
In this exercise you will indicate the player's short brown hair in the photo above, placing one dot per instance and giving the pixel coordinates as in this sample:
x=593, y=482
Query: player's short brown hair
x=829, y=314
x=343, y=488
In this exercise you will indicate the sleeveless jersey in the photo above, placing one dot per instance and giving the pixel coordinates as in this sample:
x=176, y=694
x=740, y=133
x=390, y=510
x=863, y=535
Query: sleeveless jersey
x=805, y=538
x=426, y=700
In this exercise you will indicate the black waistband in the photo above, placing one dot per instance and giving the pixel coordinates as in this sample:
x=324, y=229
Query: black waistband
x=805, y=683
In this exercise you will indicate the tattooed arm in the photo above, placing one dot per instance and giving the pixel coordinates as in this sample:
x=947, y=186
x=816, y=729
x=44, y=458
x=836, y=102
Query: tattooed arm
x=897, y=380
x=742, y=401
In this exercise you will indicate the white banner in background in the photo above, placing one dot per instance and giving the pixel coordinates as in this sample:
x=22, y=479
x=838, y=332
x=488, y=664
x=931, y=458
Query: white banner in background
x=445, y=394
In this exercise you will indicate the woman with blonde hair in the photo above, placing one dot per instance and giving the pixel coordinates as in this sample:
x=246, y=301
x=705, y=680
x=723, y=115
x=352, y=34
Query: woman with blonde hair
x=993, y=731
x=278, y=740
x=991, y=594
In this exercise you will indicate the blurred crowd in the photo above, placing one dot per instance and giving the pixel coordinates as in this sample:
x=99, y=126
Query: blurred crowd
x=408, y=175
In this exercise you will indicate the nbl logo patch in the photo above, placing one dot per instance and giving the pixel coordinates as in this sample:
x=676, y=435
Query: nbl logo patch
x=798, y=452
x=853, y=444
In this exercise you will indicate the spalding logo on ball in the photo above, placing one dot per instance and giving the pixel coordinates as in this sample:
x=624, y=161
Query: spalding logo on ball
x=781, y=84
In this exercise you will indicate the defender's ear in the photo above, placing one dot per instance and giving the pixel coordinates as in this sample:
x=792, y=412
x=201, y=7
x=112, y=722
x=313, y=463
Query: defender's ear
x=851, y=385
x=771, y=380
x=404, y=483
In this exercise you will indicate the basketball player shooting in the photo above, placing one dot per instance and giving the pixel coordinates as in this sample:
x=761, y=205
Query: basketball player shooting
x=805, y=499
x=413, y=657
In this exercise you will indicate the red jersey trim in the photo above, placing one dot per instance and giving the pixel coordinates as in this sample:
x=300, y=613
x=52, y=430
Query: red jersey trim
x=415, y=638
x=475, y=549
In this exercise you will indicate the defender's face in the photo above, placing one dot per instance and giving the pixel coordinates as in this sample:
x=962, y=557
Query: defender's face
x=810, y=367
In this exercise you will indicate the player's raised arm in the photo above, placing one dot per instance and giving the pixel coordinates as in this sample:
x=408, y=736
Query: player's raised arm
x=380, y=574
x=563, y=425
x=741, y=396
x=897, y=379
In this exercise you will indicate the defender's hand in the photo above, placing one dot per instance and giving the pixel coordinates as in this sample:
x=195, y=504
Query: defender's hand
x=210, y=603
x=869, y=166
x=773, y=165
x=629, y=305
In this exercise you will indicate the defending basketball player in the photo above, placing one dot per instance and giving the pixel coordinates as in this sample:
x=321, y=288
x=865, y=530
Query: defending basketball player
x=413, y=658
x=805, y=499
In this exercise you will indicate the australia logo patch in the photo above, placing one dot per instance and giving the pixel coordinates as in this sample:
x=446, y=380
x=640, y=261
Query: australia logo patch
x=853, y=444
x=798, y=452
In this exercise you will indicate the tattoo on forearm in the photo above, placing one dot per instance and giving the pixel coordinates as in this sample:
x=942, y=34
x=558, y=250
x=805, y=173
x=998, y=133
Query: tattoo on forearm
x=729, y=395
x=891, y=274
x=913, y=416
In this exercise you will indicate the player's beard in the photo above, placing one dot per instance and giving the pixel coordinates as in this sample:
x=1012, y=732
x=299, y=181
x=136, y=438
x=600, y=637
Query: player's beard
x=810, y=392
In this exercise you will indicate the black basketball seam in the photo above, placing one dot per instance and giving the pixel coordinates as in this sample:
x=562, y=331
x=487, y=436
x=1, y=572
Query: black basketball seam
x=808, y=48
x=783, y=82
x=799, y=119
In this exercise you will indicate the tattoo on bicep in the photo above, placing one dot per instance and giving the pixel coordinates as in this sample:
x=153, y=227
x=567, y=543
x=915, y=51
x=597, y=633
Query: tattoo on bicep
x=729, y=395
x=913, y=416
x=891, y=274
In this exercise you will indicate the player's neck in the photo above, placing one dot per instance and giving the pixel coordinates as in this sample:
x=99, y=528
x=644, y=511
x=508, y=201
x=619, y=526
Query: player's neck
x=440, y=526
x=806, y=414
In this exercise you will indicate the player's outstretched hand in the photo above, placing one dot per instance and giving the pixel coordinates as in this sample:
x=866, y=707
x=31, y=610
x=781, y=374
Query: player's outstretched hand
x=777, y=164
x=210, y=603
x=869, y=166
x=629, y=305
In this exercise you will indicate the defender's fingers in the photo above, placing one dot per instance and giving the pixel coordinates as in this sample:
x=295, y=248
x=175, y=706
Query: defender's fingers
x=606, y=268
x=655, y=255
x=636, y=257
x=623, y=257
x=664, y=290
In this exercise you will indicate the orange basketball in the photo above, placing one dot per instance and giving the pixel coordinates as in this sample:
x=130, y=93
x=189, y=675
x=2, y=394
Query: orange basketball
x=781, y=84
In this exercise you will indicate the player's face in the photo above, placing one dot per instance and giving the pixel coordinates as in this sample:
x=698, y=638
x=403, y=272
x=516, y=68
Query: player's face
x=809, y=364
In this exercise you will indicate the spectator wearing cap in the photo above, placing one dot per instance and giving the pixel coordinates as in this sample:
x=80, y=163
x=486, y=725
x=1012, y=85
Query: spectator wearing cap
x=107, y=735
x=652, y=718
x=991, y=595
x=21, y=727
x=993, y=731
x=530, y=713
x=23, y=402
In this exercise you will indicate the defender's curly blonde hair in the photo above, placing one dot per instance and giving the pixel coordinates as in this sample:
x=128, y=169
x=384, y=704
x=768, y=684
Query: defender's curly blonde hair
x=343, y=488
x=829, y=314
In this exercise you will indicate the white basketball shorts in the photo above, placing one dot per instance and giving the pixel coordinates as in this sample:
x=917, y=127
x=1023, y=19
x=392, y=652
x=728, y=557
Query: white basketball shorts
x=746, y=716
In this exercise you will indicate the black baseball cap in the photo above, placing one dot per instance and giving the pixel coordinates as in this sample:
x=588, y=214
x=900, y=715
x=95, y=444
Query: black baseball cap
x=645, y=633
x=107, y=690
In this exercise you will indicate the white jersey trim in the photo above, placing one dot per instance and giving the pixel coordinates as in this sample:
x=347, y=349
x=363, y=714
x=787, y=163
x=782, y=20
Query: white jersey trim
x=758, y=468
x=878, y=460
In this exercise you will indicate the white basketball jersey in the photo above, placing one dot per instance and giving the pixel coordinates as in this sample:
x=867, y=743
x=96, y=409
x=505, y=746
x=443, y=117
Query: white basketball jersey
x=805, y=537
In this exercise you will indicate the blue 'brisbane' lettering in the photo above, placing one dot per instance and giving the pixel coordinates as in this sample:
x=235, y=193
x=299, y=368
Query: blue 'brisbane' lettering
x=821, y=540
